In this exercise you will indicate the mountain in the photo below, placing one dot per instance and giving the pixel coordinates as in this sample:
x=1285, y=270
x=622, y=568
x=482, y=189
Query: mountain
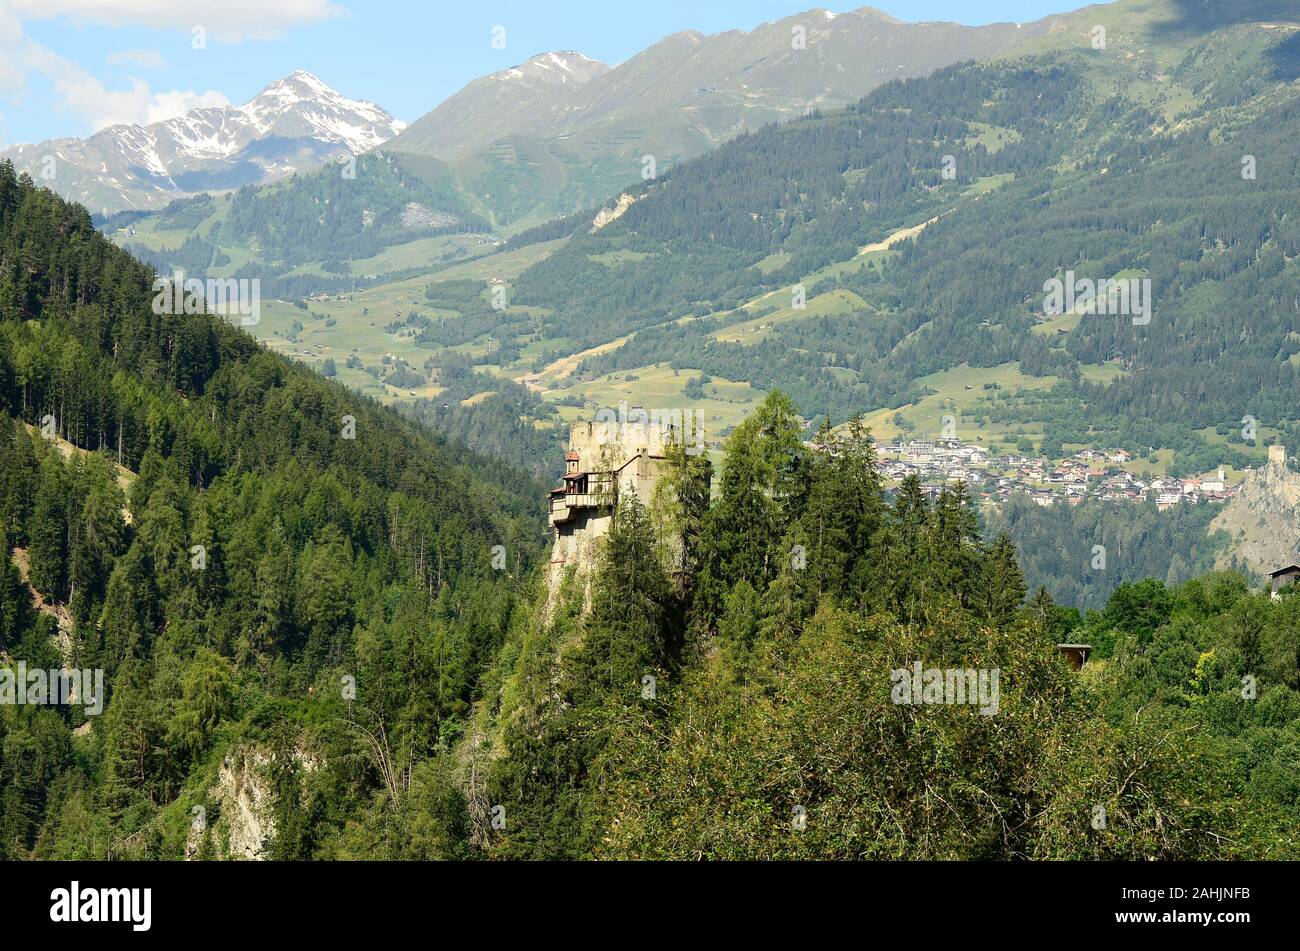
x=1124, y=161
x=527, y=96
x=1135, y=162
x=296, y=123
x=560, y=132
x=313, y=630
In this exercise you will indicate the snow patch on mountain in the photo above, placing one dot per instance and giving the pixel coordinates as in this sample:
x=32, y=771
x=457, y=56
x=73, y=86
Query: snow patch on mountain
x=294, y=124
x=565, y=66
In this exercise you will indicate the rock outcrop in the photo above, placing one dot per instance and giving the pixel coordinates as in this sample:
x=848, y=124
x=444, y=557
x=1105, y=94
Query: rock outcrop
x=1263, y=520
x=606, y=215
x=243, y=790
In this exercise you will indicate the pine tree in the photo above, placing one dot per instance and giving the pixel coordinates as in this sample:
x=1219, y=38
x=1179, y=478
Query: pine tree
x=21, y=796
x=1043, y=612
x=763, y=491
x=98, y=537
x=954, y=545
x=907, y=550
x=128, y=621
x=18, y=478
x=738, y=626
x=48, y=531
x=1001, y=589
x=15, y=601
x=842, y=519
x=627, y=633
x=680, y=505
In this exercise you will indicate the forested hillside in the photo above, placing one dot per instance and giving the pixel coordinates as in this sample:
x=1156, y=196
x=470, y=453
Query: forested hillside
x=331, y=629
x=745, y=707
x=328, y=218
x=1172, y=163
x=1082, y=553
x=848, y=255
x=232, y=540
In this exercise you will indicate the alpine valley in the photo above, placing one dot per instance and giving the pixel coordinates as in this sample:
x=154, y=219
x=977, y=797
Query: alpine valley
x=338, y=613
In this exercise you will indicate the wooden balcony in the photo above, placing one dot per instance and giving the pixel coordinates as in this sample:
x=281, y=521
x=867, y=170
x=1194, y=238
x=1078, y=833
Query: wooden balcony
x=563, y=507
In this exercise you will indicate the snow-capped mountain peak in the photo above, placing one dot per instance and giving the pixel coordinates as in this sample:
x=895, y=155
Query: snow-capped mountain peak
x=299, y=84
x=561, y=67
x=295, y=123
x=303, y=100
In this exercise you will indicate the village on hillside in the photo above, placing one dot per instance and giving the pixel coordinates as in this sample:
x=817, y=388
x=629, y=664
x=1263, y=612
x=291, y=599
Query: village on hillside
x=1089, y=473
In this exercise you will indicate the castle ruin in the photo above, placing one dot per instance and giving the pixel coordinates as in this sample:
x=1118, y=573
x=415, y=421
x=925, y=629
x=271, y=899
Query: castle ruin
x=606, y=462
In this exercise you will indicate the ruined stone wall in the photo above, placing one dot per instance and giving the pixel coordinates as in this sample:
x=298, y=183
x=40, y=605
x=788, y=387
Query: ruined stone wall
x=631, y=450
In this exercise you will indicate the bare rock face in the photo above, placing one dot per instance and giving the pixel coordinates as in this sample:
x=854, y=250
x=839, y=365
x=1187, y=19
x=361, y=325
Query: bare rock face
x=606, y=215
x=245, y=800
x=244, y=791
x=578, y=552
x=416, y=216
x=1263, y=520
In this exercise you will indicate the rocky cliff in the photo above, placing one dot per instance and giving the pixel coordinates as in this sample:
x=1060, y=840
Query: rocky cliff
x=1263, y=520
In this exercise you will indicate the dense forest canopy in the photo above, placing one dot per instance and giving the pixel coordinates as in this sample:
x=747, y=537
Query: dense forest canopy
x=772, y=731
x=225, y=535
x=291, y=589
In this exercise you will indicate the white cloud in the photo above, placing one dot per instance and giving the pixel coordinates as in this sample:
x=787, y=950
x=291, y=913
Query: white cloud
x=12, y=71
x=87, y=97
x=225, y=20
x=169, y=105
x=144, y=59
x=80, y=92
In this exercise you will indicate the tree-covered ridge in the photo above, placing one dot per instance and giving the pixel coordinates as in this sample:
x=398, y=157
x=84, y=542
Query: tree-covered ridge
x=744, y=707
x=1082, y=553
x=349, y=211
x=227, y=537
x=304, y=233
x=350, y=630
x=495, y=415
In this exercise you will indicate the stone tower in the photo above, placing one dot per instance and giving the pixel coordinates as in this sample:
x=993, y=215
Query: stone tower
x=606, y=462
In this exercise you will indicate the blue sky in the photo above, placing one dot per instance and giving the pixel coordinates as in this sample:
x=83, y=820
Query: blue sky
x=70, y=66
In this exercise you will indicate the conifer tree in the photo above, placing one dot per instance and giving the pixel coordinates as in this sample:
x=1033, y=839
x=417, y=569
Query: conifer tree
x=842, y=519
x=908, y=550
x=763, y=490
x=738, y=626
x=954, y=546
x=627, y=633
x=680, y=506
x=48, y=531
x=18, y=477
x=1001, y=588
x=15, y=601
